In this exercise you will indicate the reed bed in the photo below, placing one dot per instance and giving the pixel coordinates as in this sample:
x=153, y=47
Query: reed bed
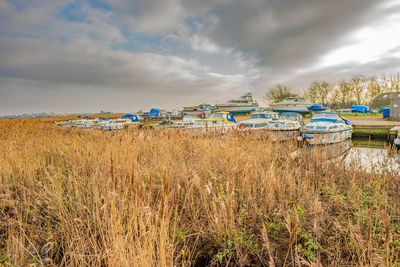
x=73, y=197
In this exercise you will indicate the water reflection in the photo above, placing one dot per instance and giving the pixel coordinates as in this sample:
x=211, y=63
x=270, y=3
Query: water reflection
x=359, y=154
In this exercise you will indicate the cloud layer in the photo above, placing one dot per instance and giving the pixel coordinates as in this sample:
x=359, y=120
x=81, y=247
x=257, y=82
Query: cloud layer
x=78, y=56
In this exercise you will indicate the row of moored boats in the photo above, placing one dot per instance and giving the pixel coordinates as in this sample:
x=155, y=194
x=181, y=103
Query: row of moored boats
x=324, y=127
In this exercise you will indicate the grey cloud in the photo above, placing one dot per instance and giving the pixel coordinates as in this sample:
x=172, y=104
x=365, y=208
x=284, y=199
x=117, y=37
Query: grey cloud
x=285, y=33
x=237, y=46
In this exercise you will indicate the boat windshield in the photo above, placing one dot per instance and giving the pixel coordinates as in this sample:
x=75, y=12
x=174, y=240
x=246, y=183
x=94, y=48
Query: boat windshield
x=293, y=99
x=276, y=125
x=238, y=101
x=263, y=116
x=331, y=117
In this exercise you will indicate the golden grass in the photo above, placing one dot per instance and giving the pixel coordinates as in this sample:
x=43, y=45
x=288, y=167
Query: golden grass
x=85, y=197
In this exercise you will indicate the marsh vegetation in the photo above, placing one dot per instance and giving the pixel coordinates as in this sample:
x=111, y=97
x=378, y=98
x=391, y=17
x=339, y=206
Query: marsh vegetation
x=74, y=197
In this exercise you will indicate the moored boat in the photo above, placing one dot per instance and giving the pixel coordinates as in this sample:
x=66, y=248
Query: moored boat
x=242, y=105
x=282, y=130
x=258, y=121
x=326, y=128
x=292, y=104
x=219, y=122
x=120, y=123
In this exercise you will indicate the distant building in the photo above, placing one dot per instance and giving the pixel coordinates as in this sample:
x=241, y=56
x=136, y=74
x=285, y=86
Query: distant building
x=395, y=108
x=385, y=99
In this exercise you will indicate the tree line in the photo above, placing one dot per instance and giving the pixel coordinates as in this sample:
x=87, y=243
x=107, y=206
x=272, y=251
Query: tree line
x=359, y=90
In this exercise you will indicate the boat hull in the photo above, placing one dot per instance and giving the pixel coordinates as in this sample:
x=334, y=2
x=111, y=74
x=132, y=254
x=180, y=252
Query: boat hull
x=326, y=138
x=282, y=135
x=295, y=108
x=212, y=129
x=237, y=109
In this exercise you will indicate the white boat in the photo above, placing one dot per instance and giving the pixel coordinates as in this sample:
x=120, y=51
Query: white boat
x=292, y=104
x=117, y=124
x=219, y=122
x=282, y=130
x=185, y=122
x=81, y=123
x=242, y=105
x=326, y=128
x=258, y=121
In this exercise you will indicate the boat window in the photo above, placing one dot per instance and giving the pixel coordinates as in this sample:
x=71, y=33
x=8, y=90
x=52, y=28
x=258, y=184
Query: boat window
x=217, y=115
x=261, y=116
x=249, y=125
x=321, y=127
x=276, y=125
x=201, y=123
x=290, y=125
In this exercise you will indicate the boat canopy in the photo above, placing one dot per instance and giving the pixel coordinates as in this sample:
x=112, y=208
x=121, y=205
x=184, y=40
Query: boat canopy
x=293, y=116
x=329, y=117
x=264, y=115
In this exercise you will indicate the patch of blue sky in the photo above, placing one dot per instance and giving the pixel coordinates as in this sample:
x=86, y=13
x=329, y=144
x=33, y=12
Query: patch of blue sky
x=77, y=10
x=145, y=43
x=99, y=4
x=74, y=12
x=193, y=23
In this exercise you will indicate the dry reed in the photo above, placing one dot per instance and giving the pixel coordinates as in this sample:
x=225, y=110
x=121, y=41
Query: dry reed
x=141, y=197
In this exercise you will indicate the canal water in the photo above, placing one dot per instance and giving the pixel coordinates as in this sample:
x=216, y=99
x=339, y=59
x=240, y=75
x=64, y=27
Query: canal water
x=374, y=155
x=369, y=155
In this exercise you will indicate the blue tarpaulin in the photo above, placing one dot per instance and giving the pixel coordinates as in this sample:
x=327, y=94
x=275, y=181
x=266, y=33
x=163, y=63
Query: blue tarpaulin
x=360, y=109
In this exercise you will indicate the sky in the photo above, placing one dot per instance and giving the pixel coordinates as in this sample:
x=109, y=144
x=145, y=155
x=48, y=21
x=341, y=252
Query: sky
x=127, y=55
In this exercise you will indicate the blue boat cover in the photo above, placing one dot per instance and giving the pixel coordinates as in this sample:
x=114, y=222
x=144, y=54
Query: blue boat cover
x=154, y=112
x=132, y=117
x=360, y=109
x=316, y=107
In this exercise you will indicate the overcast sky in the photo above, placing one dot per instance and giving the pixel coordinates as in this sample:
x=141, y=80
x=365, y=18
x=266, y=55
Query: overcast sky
x=125, y=55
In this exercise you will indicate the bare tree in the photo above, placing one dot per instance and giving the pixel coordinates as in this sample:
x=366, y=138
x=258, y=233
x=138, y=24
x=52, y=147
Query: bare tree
x=374, y=88
x=384, y=83
x=278, y=92
x=357, y=84
x=342, y=94
x=395, y=82
x=318, y=92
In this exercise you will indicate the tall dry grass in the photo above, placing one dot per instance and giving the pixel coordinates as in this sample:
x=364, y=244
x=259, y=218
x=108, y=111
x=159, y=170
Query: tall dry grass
x=85, y=197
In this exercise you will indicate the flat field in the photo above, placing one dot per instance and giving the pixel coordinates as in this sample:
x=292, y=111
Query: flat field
x=73, y=197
